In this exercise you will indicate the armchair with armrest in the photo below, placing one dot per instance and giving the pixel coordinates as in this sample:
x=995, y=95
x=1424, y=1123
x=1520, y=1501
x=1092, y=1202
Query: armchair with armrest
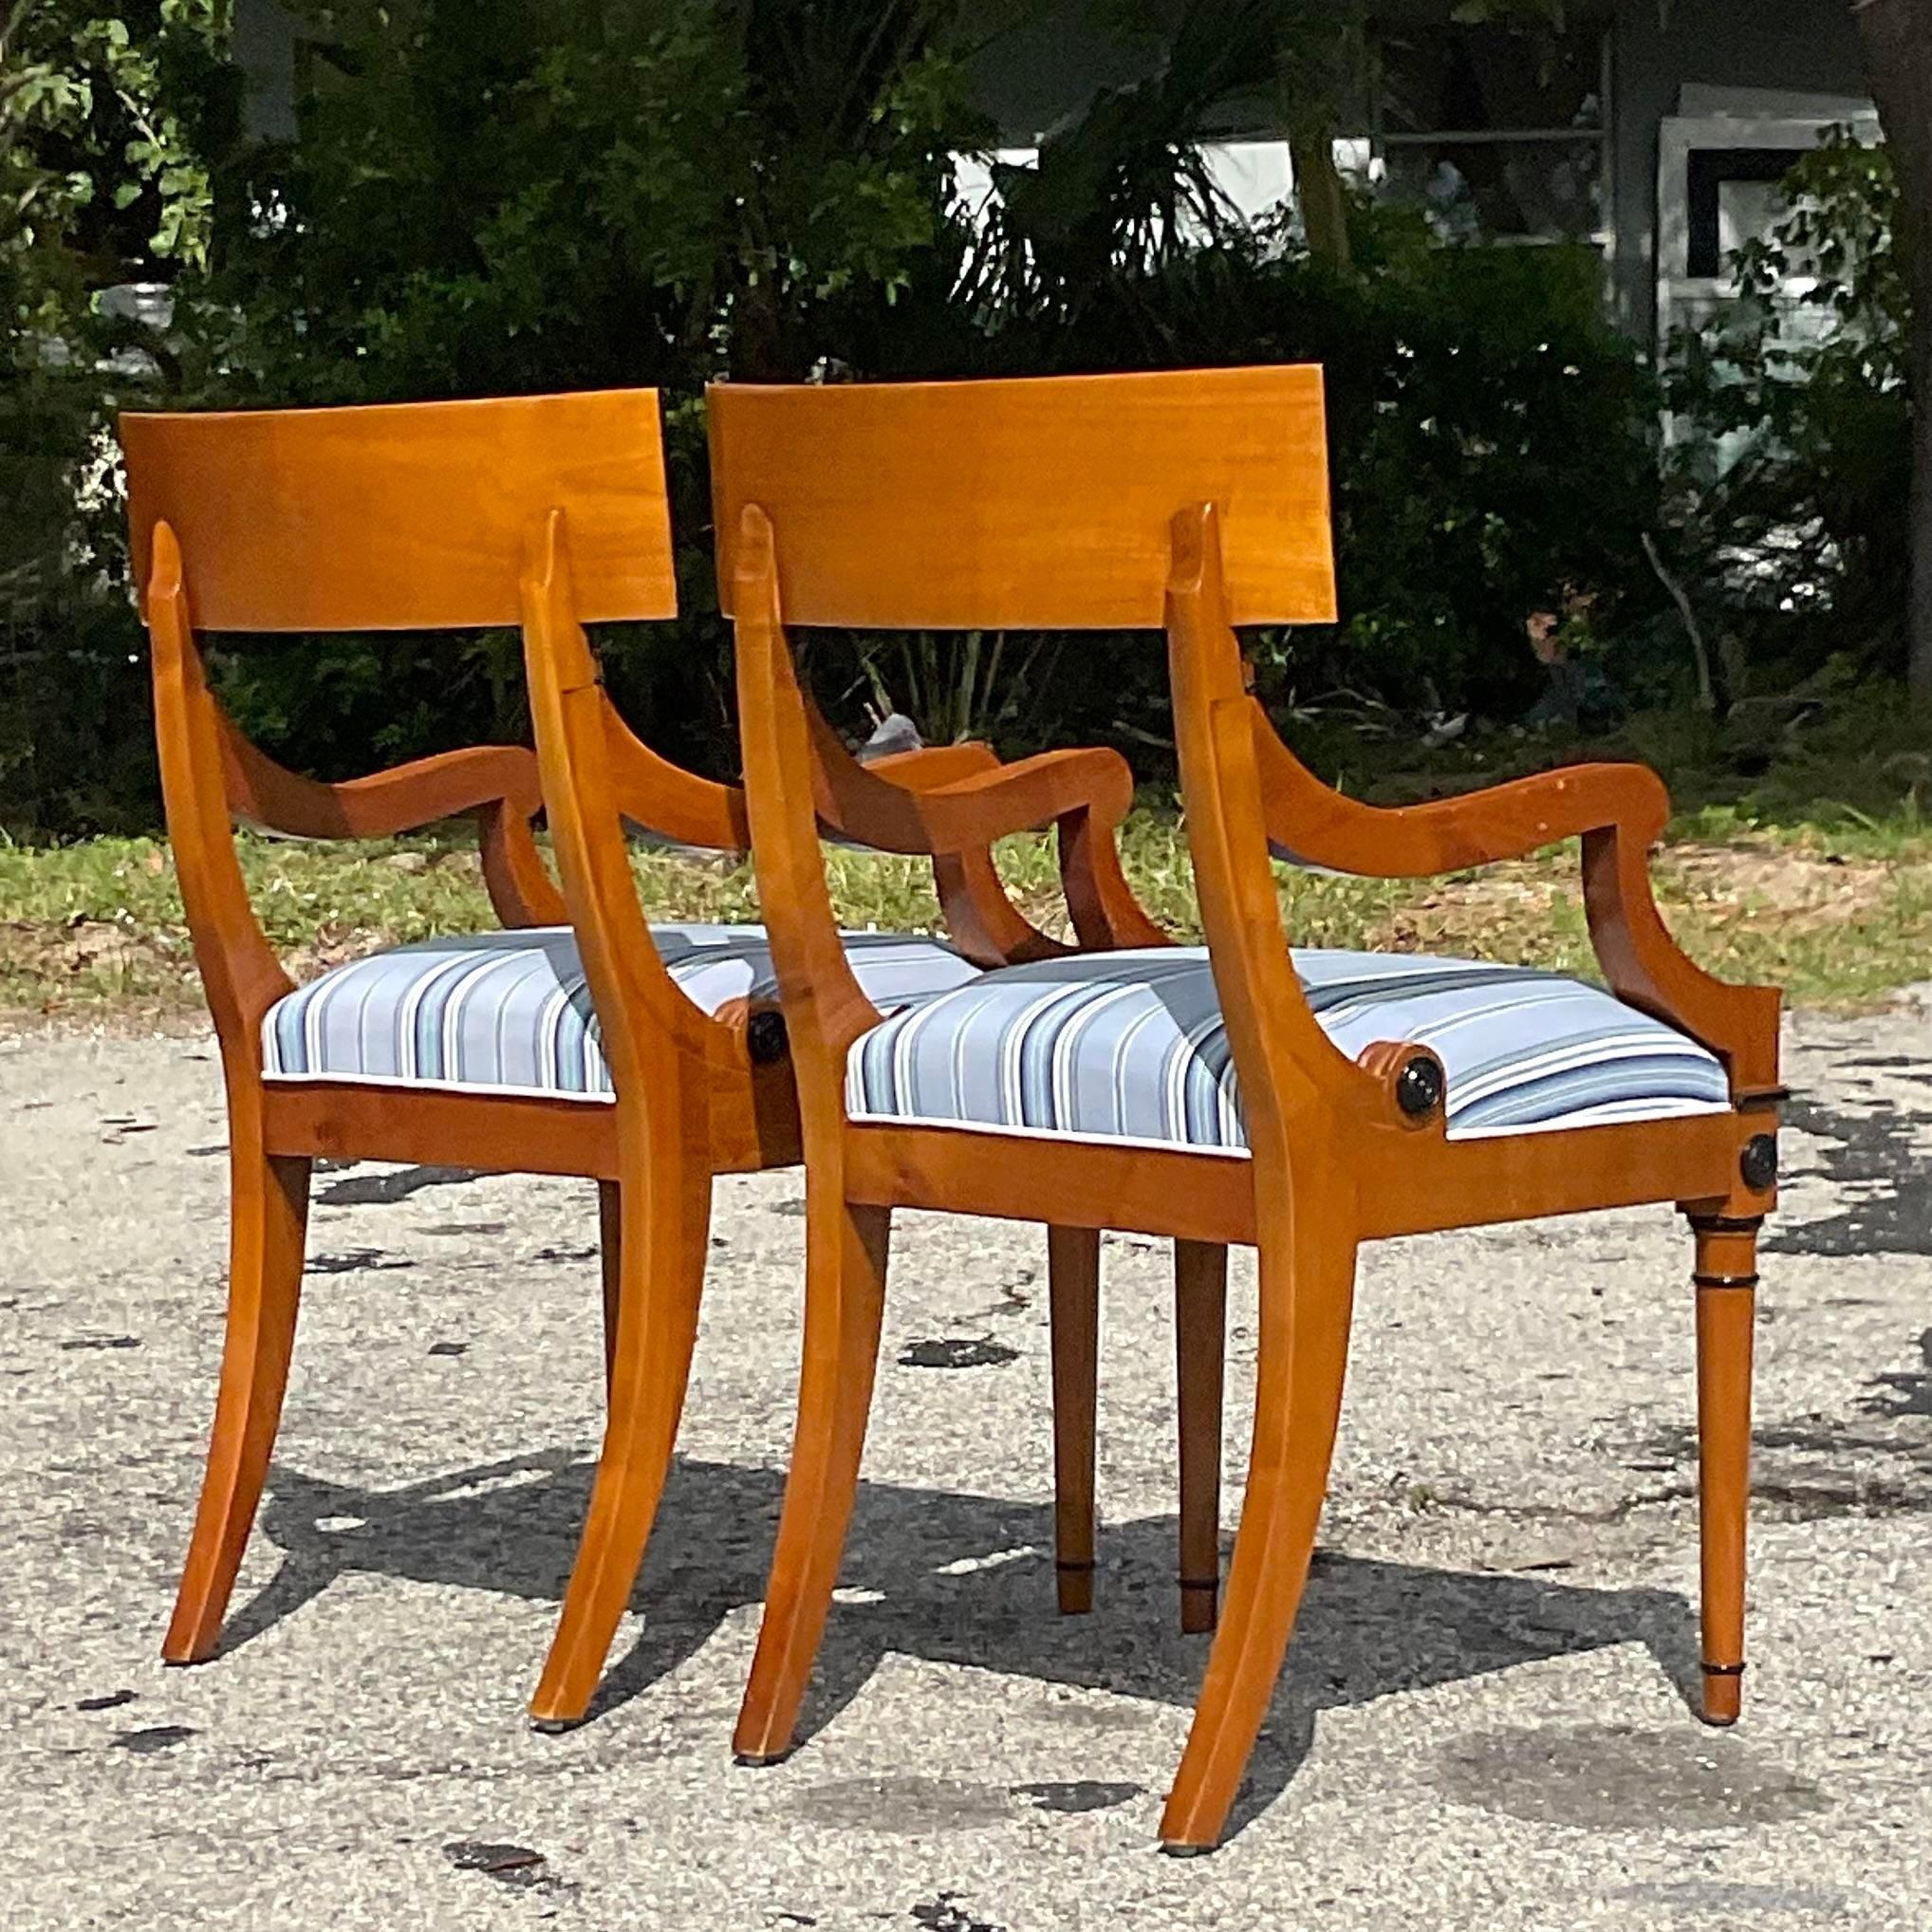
x=1302, y=1101
x=648, y=1058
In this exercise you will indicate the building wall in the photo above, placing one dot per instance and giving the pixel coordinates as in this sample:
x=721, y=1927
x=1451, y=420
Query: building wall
x=1808, y=47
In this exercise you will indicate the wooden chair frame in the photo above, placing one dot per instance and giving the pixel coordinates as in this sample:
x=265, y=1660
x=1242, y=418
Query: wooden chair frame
x=451, y=515
x=1168, y=465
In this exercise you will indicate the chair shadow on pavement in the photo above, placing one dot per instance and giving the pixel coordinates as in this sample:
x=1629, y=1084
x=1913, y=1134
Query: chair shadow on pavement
x=950, y=1578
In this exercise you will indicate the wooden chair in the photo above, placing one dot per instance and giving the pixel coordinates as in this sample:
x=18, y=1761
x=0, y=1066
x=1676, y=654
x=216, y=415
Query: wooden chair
x=487, y=1051
x=1303, y=1104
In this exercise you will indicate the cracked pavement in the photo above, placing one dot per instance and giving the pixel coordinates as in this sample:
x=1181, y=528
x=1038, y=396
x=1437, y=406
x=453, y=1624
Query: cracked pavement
x=1483, y=1713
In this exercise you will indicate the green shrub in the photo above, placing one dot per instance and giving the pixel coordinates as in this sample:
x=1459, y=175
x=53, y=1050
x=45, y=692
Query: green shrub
x=1790, y=476
x=103, y=115
x=513, y=196
x=1491, y=449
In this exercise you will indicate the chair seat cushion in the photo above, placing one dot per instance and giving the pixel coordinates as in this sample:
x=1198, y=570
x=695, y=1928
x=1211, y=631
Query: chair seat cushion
x=1131, y=1046
x=509, y=1012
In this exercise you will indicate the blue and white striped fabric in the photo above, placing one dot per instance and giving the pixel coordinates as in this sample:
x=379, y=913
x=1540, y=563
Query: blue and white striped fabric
x=1130, y=1047
x=509, y=1012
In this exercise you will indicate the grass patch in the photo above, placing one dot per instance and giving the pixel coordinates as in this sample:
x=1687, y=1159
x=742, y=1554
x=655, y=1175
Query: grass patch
x=1838, y=915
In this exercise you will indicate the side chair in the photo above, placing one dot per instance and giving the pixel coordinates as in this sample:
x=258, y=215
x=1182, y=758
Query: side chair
x=1301, y=1102
x=649, y=1058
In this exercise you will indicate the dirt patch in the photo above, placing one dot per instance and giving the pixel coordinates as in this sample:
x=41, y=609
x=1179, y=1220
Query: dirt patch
x=94, y=969
x=1811, y=888
x=1505, y=912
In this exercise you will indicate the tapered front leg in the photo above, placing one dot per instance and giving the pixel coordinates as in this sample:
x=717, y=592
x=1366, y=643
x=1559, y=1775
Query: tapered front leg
x=1306, y=1296
x=268, y=1223
x=845, y=1302
x=1200, y=1318
x=610, y=1260
x=660, y=1255
x=1726, y=1286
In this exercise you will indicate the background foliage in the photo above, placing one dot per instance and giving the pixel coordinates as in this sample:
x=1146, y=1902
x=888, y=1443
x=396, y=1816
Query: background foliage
x=1791, y=488
x=502, y=195
x=104, y=120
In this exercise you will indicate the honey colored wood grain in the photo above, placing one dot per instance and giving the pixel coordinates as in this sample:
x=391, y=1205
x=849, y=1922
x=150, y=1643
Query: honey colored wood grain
x=661, y=797
x=1725, y=1284
x=1645, y=965
x=1617, y=810
x=1033, y=504
x=1499, y=822
x=403, y=516
x=1133, y=502
x=268, y=1221
x=341, y=1120
x=543, y=511
x=951, y=801
x=1409, y=1183
x=969, y=810
x=240, y=975
x=1200, y=1322
x=497, y=784
x=692, y=1101
x=847, y=1238
x=1189, y=1195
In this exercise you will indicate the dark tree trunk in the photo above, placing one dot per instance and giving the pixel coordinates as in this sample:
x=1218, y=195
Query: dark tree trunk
x=1897, y=35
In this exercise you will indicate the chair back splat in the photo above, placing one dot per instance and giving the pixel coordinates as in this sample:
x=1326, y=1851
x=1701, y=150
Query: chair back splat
x=410, y=516
x=1034, y=503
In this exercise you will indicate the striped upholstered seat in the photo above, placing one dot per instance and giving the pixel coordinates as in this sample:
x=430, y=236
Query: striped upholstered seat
x=509, y=1012
x=1131, y=1046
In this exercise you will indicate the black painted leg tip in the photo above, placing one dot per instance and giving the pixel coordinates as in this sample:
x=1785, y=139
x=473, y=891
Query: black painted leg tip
x=757, y=1760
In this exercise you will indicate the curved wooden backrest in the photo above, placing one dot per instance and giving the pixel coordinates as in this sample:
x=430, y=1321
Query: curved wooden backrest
x=1039, y=504
x=404, y=516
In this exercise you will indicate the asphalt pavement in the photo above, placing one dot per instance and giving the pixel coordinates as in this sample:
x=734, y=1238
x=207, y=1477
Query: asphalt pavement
x=1483, y=1722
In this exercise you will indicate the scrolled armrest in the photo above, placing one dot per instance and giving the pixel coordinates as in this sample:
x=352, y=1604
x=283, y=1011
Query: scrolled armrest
x=664, y=798
x=498, y=783
x=399, y=800
x=1618, y=811
x=1309, y=821
x=1027, y=794
x=952, y=802
x=1648, y=969
x=949, y=798
x=934, y=765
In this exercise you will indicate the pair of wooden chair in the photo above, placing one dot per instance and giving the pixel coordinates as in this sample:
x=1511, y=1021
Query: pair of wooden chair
x=577, y=1040
x=1299, y=1102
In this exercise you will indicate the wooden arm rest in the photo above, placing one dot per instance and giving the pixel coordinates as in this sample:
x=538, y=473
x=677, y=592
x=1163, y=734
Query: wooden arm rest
x=498, y=782
x=1618, y=811
x=1031, y=792
x=946, y=798
x=858, y=805
x=666, y=799
x=399, y=800
x=1307, y=820
x=934, y=765
x=951, y=802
